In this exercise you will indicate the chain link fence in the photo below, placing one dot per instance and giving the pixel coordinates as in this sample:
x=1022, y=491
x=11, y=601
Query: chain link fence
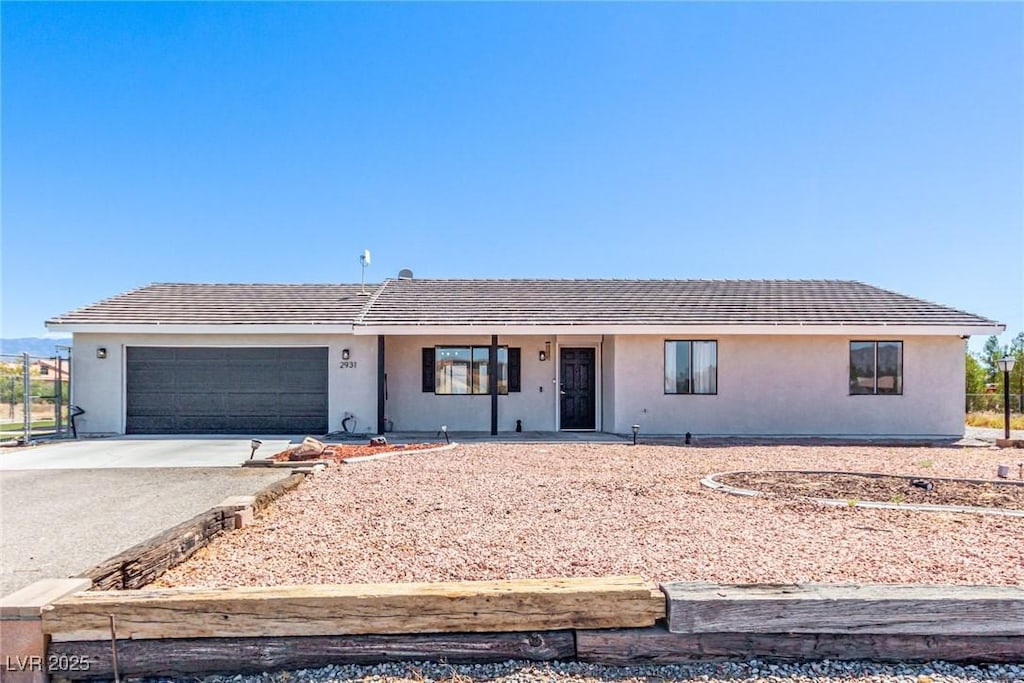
x=35, y=395
x=993, y=403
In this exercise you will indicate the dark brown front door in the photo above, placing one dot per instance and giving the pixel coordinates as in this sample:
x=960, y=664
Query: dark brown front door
x=578, y=392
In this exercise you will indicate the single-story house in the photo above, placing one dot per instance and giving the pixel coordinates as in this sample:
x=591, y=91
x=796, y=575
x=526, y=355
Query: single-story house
x=711, y=357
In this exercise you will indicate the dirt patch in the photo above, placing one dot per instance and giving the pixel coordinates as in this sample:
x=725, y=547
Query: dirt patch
x=342, y=452
x=881, y=489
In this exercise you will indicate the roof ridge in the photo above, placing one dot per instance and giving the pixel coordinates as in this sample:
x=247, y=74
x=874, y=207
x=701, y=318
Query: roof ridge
x=370, y=300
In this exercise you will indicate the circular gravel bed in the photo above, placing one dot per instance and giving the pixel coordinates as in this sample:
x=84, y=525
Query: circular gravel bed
x=509, y=511
x=856, y=486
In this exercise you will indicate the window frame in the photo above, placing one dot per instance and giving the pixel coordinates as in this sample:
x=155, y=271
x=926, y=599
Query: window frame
x=471, y=348
x=664, y=369
x=874, y=385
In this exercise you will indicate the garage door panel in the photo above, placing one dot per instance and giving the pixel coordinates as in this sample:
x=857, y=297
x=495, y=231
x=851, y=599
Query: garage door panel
x=300, y=404
x=145, y=379
x=144, y=353
x=202, y=353
x=198, y=404
x=226, y=390
x=149, y=404
x=251, y=404
x=302, y=380
x=246, y=356
x=151, y=424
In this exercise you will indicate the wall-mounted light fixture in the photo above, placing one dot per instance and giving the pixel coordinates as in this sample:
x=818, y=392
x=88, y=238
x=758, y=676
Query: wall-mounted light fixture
x=345, y=355
x=101, y=352
x=546, y=353
x=542, y=356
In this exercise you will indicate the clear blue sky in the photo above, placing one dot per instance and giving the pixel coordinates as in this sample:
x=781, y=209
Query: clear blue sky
x=264, y=142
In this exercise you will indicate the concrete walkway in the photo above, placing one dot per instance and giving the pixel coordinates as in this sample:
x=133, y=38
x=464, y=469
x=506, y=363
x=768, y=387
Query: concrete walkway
x=140, y=451
x=57, y=523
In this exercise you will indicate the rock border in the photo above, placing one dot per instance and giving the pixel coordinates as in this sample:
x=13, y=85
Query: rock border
x=268, y=462
x=380, y=456
x=711, y=483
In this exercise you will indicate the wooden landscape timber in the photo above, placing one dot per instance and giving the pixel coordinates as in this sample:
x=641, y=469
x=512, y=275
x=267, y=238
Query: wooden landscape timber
x=354, y=609
x=846, y=609
x=606, y=620
x=182, y=657
x=145, y=562
x=656, y=645
x=272, y=492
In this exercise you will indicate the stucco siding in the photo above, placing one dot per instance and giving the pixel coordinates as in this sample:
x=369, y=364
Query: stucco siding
x=412, y=409
x=777, y=385
x=98, y=383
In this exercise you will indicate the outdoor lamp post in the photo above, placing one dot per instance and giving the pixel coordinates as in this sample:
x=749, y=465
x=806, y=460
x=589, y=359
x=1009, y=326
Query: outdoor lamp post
x=254, y=444
x=1006, y=365
x=636, y=428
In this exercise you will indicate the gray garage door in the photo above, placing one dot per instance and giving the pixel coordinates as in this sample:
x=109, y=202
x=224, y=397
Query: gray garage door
x=202, y=390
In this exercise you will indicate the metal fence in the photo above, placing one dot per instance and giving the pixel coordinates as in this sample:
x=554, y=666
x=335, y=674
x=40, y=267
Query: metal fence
x=993, y=403
x=35, y=395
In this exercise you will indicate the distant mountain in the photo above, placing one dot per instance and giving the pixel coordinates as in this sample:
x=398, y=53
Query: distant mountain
x=34, y=346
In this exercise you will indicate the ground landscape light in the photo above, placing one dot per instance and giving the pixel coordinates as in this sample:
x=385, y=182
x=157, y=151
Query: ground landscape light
x=636, y=429
x=254, y=444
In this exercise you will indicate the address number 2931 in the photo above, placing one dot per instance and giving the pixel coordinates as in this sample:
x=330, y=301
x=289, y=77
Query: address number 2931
x=347, y=364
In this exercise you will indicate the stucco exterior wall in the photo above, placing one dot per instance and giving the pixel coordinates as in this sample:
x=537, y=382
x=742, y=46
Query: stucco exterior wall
x=412, y=409
x=777, y=385
x=98, y=384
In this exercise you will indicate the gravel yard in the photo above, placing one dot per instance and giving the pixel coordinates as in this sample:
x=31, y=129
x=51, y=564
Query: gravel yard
x=573, y=672
x=506, y=511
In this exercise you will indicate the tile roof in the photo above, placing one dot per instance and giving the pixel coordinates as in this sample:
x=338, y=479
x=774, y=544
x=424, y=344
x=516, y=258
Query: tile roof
x=639, y=302
x=524, y=302
x=225, y=304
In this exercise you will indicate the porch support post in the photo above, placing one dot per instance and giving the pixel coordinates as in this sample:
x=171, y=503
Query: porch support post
x=381, y=384
x=492, y=373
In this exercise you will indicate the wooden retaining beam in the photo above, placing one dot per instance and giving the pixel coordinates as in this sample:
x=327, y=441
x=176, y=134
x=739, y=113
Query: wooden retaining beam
x=145, y=562
x=319, y=610
x=846, y=609
x=181, y=657
x=656, y=645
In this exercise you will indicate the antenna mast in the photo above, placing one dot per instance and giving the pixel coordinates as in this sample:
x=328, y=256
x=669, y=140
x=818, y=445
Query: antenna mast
x=364, y=261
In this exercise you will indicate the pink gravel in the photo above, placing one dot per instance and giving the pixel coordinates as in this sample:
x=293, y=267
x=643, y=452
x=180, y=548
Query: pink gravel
x=507, y=511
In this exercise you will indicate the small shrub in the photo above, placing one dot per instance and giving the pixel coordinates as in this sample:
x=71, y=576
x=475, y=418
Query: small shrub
x=925, y=463
x=993, y=420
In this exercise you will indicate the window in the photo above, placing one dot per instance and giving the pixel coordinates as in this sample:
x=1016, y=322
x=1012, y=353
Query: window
x=876, y=367
x=461, y=370
x=691, y=367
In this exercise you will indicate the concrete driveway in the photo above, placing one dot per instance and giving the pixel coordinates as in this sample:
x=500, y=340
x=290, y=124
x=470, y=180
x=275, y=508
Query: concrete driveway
x=140, y=451
x=58, y=523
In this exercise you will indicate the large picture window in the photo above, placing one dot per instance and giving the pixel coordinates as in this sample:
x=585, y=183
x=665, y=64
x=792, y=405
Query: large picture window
x=464, y=370
x=691, y=367
x=876, y=367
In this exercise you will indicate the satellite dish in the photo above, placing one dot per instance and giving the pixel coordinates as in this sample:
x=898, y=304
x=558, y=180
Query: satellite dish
x=405, y=274
x=364, y=258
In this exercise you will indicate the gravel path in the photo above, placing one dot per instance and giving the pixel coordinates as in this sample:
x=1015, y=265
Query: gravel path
x=505, y=511
x=572, y=672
